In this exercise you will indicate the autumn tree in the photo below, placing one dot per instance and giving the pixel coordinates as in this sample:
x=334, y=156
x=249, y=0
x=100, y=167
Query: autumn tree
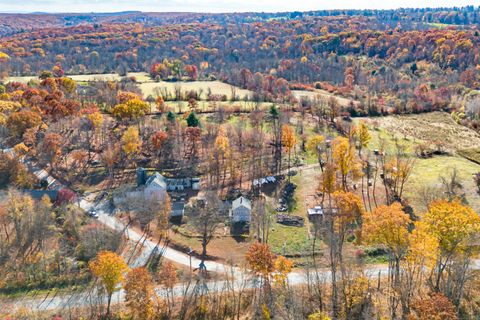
x=315, y=146
x=131, y=109
x=363, y=136
x=14, y=173
x=109, y=268
x=207, y=219
x=139, y=294
x=160, y=104
x=433, y=307
x=260, y=259
x=52, y=148
x=388, y=226
x=222, y=152
x=167, y=277
x=19, y=122
x=420, y=259
x=109, y=158
x=343, y=214
x=158, y=140
x=397, y=171
x=288, y=141
x=131, y=142
x=357, y=302
x=455, y=226
x=283, y=267
x=96, y=120
x=344, y=158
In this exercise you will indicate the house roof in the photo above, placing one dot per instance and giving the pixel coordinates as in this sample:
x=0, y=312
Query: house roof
x=38, y=194
x=156, y=180
x=241, y=202
x=318, y=210
x=177, y=208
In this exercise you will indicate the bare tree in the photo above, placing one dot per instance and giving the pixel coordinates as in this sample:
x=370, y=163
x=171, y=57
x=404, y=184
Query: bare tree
x=206, y=219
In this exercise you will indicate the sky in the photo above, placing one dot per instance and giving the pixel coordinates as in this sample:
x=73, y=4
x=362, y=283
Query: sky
x=217, y=5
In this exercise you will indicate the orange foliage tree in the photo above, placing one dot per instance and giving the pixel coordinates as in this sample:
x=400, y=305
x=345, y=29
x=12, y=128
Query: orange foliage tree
x=139, y=294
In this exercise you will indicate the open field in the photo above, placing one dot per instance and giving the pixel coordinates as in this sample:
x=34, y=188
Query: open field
x=216, y=87
x=153, y=88
x=140, y=76
x=427, y=174
x=428, y=128
x=412, y=130
x=344, y=102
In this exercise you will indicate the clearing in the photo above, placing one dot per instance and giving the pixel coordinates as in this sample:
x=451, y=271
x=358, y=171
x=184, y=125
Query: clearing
x=413, y=130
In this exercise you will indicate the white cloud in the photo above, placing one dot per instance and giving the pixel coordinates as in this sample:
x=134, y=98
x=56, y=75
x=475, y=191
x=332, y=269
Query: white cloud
x=217, y=5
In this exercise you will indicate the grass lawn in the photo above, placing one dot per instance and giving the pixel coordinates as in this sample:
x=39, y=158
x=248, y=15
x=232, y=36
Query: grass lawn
x=412, y=130
x=296, y=239
x=427, y=172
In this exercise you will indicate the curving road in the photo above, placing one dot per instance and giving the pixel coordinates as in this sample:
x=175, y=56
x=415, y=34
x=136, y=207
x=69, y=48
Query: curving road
x=90, y=296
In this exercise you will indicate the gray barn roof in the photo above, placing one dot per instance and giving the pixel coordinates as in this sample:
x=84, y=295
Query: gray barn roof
x=156, y=180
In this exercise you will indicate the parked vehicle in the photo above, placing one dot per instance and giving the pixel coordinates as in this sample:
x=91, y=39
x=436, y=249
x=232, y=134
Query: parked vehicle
x=93, y=214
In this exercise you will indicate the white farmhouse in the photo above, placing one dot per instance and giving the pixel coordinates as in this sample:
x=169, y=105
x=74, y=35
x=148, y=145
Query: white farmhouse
x=155, y=186
x=241, y=210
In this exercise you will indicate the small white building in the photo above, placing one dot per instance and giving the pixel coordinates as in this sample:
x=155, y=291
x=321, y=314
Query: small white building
x=241, y=210
x=318, y=212
x=315, y=212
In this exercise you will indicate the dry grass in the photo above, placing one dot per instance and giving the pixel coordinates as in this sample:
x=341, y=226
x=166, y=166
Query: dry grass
x=344, y=102
x=428, y=128
x=140, y=76
x=216, y=87
x=413, y=130
x=427, y=173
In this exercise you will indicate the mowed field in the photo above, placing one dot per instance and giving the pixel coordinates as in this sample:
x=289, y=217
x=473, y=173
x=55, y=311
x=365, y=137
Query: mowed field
x=317, y=93
x=150, y=87
x=425, y=180
x=203, y=87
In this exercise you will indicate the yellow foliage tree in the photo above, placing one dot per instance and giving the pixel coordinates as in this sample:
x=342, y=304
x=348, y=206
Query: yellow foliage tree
x=349, y=210
x=109, y=268
x=344, y=157
x=329, y=179
x=132, y=109
x=221, y=142
x=363, y=136
x=355, y=295
x=96, y=119
x=454, y=226
x=288, y=141
x=387, y=226
x=318, y=316
x=4, y=57
x=283, y=267
x=315, y=147
x=21, y=149
x=131, y=142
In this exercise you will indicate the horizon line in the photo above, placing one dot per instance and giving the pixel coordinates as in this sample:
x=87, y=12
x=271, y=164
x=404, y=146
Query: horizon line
x=230, y=12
